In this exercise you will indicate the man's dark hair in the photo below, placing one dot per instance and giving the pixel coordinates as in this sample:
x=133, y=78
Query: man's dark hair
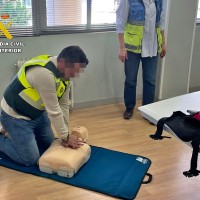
x=73, y=54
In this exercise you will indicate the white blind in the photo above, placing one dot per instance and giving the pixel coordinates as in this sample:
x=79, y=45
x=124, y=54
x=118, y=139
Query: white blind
x=66, y=12
x=64, y=15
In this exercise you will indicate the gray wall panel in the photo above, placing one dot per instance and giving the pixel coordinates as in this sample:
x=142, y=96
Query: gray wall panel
x=176, y=65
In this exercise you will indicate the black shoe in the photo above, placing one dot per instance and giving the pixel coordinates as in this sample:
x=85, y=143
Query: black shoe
x=128, y=113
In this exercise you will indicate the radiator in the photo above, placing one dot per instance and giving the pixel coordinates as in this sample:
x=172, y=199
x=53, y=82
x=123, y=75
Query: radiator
x=20, y=62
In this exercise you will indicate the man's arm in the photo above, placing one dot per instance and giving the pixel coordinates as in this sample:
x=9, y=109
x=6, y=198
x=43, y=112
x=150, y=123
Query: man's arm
x=43, y=81
x=64, y=103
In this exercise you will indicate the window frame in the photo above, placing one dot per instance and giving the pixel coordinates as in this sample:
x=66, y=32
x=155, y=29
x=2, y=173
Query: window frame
x=39, y=24
x=40, y=21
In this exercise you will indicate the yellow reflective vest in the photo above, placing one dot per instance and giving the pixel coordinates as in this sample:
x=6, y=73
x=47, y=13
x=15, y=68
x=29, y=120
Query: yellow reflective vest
x=135, y=25
x=25, y=99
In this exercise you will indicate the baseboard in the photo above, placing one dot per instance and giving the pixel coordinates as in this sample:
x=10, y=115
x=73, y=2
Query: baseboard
x=100, y=102
x=194, y=89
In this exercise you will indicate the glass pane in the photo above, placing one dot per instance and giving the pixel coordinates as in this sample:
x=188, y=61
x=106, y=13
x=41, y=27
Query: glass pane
x=15, y=13
x=198, y=12
x=66, y=12
x=103, y=11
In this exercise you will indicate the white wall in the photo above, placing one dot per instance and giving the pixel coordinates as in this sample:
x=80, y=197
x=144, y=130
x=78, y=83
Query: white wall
x=101, y=83
x=176, y=66
x=195, y=68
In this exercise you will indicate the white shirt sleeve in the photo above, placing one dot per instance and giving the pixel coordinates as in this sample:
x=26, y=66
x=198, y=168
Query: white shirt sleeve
x=64, y=103
x=162, y=20
x=43, y=81
x=122, y=13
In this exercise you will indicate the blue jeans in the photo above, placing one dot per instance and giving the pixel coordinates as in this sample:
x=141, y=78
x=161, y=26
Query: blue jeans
x=27, y=140
x=149, y=68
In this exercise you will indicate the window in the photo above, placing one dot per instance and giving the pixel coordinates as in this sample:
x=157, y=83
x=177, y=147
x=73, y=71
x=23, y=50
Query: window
x=103, y=12
x=36, y=17
x=62, y=12
x=198, y=13
x=16, y=16
x=79, y=15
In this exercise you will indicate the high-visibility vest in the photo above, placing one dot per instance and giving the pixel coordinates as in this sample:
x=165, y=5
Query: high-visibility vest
x=135, y=25
x=25, y=99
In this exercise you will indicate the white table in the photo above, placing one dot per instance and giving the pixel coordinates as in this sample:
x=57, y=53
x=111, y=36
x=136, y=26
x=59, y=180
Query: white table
x=153, y=112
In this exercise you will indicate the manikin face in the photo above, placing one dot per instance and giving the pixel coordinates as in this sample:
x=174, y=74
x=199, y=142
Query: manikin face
x=70, y=70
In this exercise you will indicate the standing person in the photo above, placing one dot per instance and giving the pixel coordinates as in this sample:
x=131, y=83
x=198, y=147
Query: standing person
x=37, y=97
x=140, y=28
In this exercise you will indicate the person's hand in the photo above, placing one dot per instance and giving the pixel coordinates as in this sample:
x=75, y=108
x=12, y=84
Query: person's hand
x=163, y=52
x=123, y=54
x=73, y=142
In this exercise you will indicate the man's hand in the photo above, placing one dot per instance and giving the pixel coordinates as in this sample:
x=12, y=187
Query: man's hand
x=73, y=142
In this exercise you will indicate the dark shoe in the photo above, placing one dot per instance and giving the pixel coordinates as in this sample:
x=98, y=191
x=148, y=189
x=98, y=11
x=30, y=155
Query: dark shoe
x=128, y=113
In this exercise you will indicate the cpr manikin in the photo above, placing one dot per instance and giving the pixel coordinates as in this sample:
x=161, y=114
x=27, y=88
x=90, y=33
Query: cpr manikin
x=65, y=161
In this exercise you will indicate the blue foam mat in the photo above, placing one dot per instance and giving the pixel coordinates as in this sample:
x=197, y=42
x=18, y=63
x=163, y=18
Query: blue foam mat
x=109, y=172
